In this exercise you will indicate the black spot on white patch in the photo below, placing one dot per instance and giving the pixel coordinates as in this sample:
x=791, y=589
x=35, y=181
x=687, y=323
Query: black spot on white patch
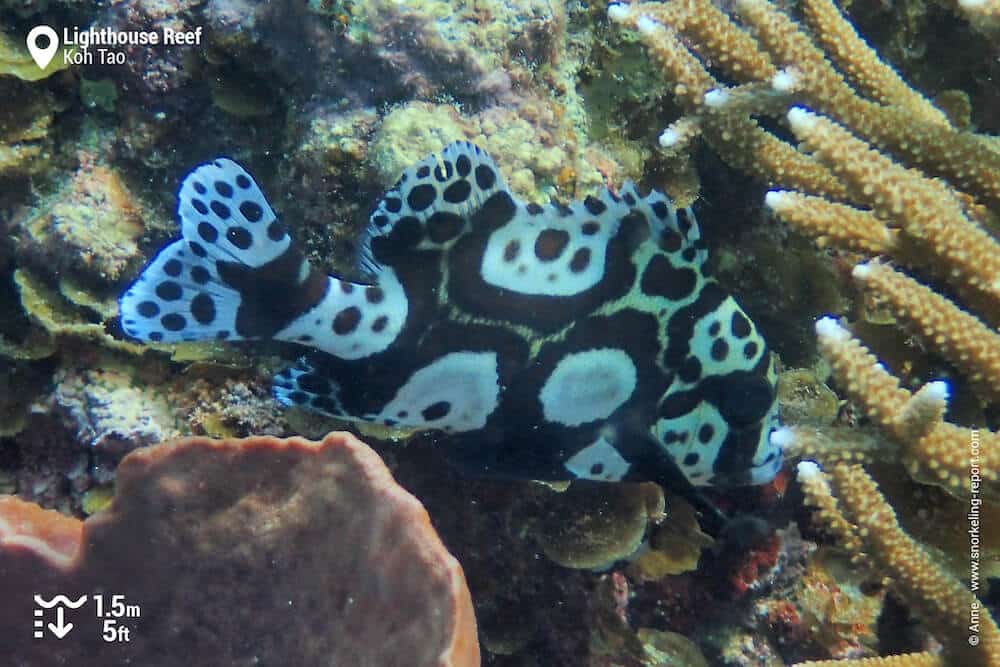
x=242, y=181
x=393, y=204
x=346, y=321
x=203, y=308
x=511, y=250
x=148, y=309
x=220, y=209
x=740, y=325
x=691, y=459
x=208, y=233
x=580, y=261
x=535, y=209
x=550, y=244
x=168, y=290
x=463, y=165
x=239, y=237
x=197, y=249
x=485, y=177
x=173, y=322
x=200, y=188
x=594, y=206
x=436, y=411
x=251, y=211
x=421, y=197
x=224, y=189
x=423, y=172
x=173, y=268
x=720, y=349
x=199, y=206
x=459, y=191
x=200, y=275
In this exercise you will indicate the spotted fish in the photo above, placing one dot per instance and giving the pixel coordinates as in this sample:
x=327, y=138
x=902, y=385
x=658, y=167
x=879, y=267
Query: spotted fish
x=545, y=342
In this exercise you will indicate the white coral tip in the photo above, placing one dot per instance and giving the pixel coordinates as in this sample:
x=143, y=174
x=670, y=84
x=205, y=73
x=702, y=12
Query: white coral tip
x=619, y=12
x=716, y=98
x=647, y=26
x=827, y=327
x=786, y=81
x=862, y=272
x=807, y=470
x=937, y=390
x=777, y=200
x=782, y=438
x=801, y=119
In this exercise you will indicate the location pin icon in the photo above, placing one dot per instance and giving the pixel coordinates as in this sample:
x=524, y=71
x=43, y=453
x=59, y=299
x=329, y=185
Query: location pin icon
x=42, y=55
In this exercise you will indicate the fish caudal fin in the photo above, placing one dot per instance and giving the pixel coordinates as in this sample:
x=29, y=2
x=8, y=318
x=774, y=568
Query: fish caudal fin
x=234, y=273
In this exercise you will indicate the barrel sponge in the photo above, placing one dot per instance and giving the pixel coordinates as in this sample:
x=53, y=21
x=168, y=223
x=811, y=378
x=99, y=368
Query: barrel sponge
x=239, y=552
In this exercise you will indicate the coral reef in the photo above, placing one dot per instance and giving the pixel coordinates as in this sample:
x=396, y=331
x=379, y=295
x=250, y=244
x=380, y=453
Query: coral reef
x=879, y=172
x=281, y=551
x=91, y=225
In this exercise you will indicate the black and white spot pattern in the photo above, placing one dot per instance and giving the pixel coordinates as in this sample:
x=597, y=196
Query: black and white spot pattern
x=433, y=200
x=598, y=461
x=588, y=386
x=555, y=326
x=458, y=392
x=353, y=321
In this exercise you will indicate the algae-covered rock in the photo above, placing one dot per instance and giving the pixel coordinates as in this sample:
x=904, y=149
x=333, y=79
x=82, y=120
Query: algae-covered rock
x=534, y=146
x=590, y=526
x=805, y=400
x=16, y=61
x=91, y=224
x=675, y=544
x=25, y=127
x=109, y=410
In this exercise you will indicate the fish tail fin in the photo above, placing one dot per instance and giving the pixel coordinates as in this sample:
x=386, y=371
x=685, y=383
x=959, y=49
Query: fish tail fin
x=234, y=274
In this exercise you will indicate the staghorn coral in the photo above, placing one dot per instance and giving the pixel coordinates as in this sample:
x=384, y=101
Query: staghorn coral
x=354, y=571
x=880, y=172
x=852, y=501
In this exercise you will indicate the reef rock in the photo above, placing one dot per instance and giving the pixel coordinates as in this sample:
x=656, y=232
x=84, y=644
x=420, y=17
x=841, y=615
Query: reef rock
x=242, y=552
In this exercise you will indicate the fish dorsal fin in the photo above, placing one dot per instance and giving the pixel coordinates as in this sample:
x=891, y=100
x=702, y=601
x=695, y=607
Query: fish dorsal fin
x=431, y=202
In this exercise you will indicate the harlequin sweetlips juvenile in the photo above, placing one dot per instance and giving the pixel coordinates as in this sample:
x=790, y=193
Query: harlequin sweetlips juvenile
x=580, y=341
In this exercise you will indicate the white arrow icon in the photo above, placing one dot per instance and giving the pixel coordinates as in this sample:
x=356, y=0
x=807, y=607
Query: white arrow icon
x=59, y=629
x=42, y=55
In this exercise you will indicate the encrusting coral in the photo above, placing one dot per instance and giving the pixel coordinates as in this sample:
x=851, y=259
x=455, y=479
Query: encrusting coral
x=243, y=552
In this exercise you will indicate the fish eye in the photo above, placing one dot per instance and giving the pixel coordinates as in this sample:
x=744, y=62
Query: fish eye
x=746, y=400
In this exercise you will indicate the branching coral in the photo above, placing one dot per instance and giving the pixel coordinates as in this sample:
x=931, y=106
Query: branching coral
x=880, y=173
x=853, y=503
